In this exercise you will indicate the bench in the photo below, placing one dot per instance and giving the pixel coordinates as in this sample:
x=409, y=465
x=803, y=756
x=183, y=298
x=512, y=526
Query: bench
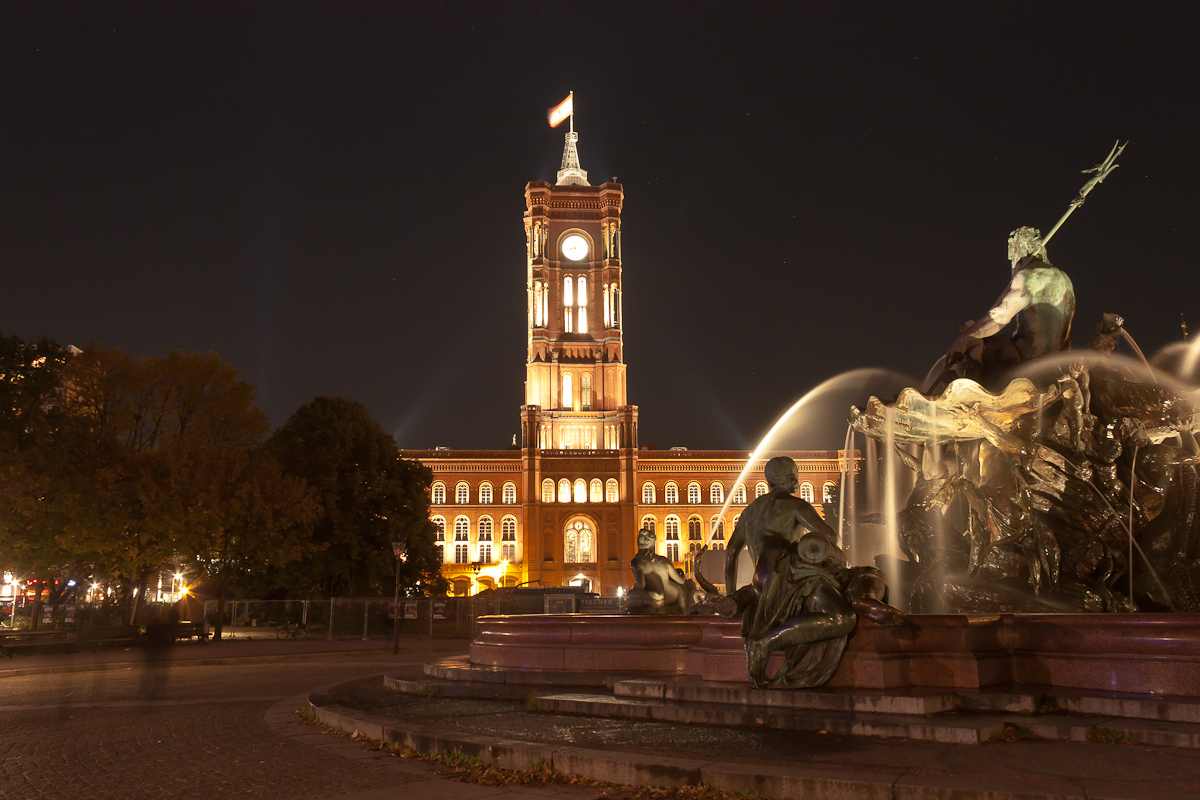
x=186, y=630
x=22, y=640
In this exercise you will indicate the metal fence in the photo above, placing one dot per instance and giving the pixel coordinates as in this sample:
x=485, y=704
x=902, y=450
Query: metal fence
x=343, y=617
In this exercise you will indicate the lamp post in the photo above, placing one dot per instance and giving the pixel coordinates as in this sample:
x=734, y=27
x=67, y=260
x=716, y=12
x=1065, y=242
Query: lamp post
x=400, y=550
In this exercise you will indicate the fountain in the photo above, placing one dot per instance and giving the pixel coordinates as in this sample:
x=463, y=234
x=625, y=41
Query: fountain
x=1041, y=510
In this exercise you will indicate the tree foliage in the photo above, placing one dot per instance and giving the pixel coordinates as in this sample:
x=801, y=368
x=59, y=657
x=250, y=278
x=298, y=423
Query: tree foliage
x=369, y=498
x=136, y=462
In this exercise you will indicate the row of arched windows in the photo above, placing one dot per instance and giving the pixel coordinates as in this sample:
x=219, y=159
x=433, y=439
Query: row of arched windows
x=716, y=492
x=581, y=491
x=462, y=493
x=484, y=538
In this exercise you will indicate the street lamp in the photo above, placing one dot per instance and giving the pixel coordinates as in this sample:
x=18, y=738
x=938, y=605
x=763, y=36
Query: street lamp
x=400, y=549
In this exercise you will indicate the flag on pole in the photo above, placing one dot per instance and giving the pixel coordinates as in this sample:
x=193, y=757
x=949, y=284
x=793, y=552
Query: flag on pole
x=560, y=111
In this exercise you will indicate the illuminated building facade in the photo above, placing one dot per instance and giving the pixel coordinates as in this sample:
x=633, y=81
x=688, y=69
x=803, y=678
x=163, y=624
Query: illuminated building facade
x=564, y=506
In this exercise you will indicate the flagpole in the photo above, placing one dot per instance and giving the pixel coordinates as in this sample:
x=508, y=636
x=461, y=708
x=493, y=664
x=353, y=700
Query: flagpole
x=572, y=95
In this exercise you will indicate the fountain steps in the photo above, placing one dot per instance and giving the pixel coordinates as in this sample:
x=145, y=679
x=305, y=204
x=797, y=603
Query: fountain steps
x=923, y=714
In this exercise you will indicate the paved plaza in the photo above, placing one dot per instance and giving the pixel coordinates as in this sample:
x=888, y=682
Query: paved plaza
x=192, y=728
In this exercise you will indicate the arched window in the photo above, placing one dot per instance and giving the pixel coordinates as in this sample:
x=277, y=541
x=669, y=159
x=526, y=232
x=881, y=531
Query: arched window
x=716, y=493
x=462, y=493
x=548, y=491
x=568, y=292
x=649, y=523
x=671, y=528
x=564, y=491
x=485, y=492
x=648, y=493
x=509, y=493
x=607, y=313
x=485, y=540
x=438, y=494
x=693, y=492
x=612, y=493
x=595, y=491
x=439, y=538
x=585, y=391
x=671, y=493
x=508, y=539
x=760, y=489
x=827, y=491
x=581, y=298
x=717, y=526
x=695, y=528
x=580, y=490
x=462, y=529
x=806, y=492
x=577, y=542
x=739, y=494
x=568, y=399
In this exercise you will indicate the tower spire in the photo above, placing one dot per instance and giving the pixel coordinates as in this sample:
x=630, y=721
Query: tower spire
x=571, y=173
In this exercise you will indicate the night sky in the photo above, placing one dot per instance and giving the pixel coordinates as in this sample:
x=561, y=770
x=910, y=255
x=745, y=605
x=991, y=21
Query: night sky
x=330, y=195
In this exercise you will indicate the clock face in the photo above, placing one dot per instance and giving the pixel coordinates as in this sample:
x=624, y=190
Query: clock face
x=575, y=247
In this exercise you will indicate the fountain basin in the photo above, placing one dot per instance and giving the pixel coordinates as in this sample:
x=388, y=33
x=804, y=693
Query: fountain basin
x=1143, y=653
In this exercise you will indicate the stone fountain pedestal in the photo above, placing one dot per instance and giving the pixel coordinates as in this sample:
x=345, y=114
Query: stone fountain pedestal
x=1136, y=653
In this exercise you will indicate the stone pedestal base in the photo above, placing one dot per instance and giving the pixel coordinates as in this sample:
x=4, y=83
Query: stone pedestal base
x=1144, y=653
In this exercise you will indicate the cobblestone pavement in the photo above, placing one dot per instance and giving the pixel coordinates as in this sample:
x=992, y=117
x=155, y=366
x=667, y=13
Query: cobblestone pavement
x=175, y=730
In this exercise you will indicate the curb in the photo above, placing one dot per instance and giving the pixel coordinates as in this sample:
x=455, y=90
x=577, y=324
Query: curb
x=641, y=769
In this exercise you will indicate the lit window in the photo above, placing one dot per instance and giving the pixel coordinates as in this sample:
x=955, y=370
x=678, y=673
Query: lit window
x=510, y=493
x=607, y=313
x=462, y=529
x=508, y=552
x=717, y=526
x=580, y=490
x=440, y=534
x=568, y=293
x=577, y=543
x=439, y=493
x=806, y=492
x=485, y=552
x=716, y=493
x=485, y=492
x=585, y=391
x=649, y=523
x=648, y=493
x=581, y=301
x=564, y=491
x=672, y=551
x=611, y=491
x=694, y=528
x=462, y=494
x=671, y=529
x=739, y=494
x=548, y=491
x=568, y=402
x=595, y=491
x=827, y=491
x=671, y=493
x=485, y=529
x=508, y=529
x=760, y=489
x=461, y=554
x=693, y=493
x=441, y=553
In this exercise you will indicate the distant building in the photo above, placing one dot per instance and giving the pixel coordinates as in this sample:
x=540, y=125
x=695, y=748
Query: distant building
x=564, y=506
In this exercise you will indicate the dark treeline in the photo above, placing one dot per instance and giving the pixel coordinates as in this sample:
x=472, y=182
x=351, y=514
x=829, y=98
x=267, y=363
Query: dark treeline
x=114, y=468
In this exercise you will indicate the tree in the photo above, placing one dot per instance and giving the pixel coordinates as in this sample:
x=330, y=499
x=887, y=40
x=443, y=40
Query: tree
x=148, y=438
x=369, y=497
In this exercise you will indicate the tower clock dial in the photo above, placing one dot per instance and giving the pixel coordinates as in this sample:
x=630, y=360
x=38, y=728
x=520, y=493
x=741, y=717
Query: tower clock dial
x=575, y=247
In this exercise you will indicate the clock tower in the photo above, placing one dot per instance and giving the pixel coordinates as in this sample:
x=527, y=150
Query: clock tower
x=575, y=369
